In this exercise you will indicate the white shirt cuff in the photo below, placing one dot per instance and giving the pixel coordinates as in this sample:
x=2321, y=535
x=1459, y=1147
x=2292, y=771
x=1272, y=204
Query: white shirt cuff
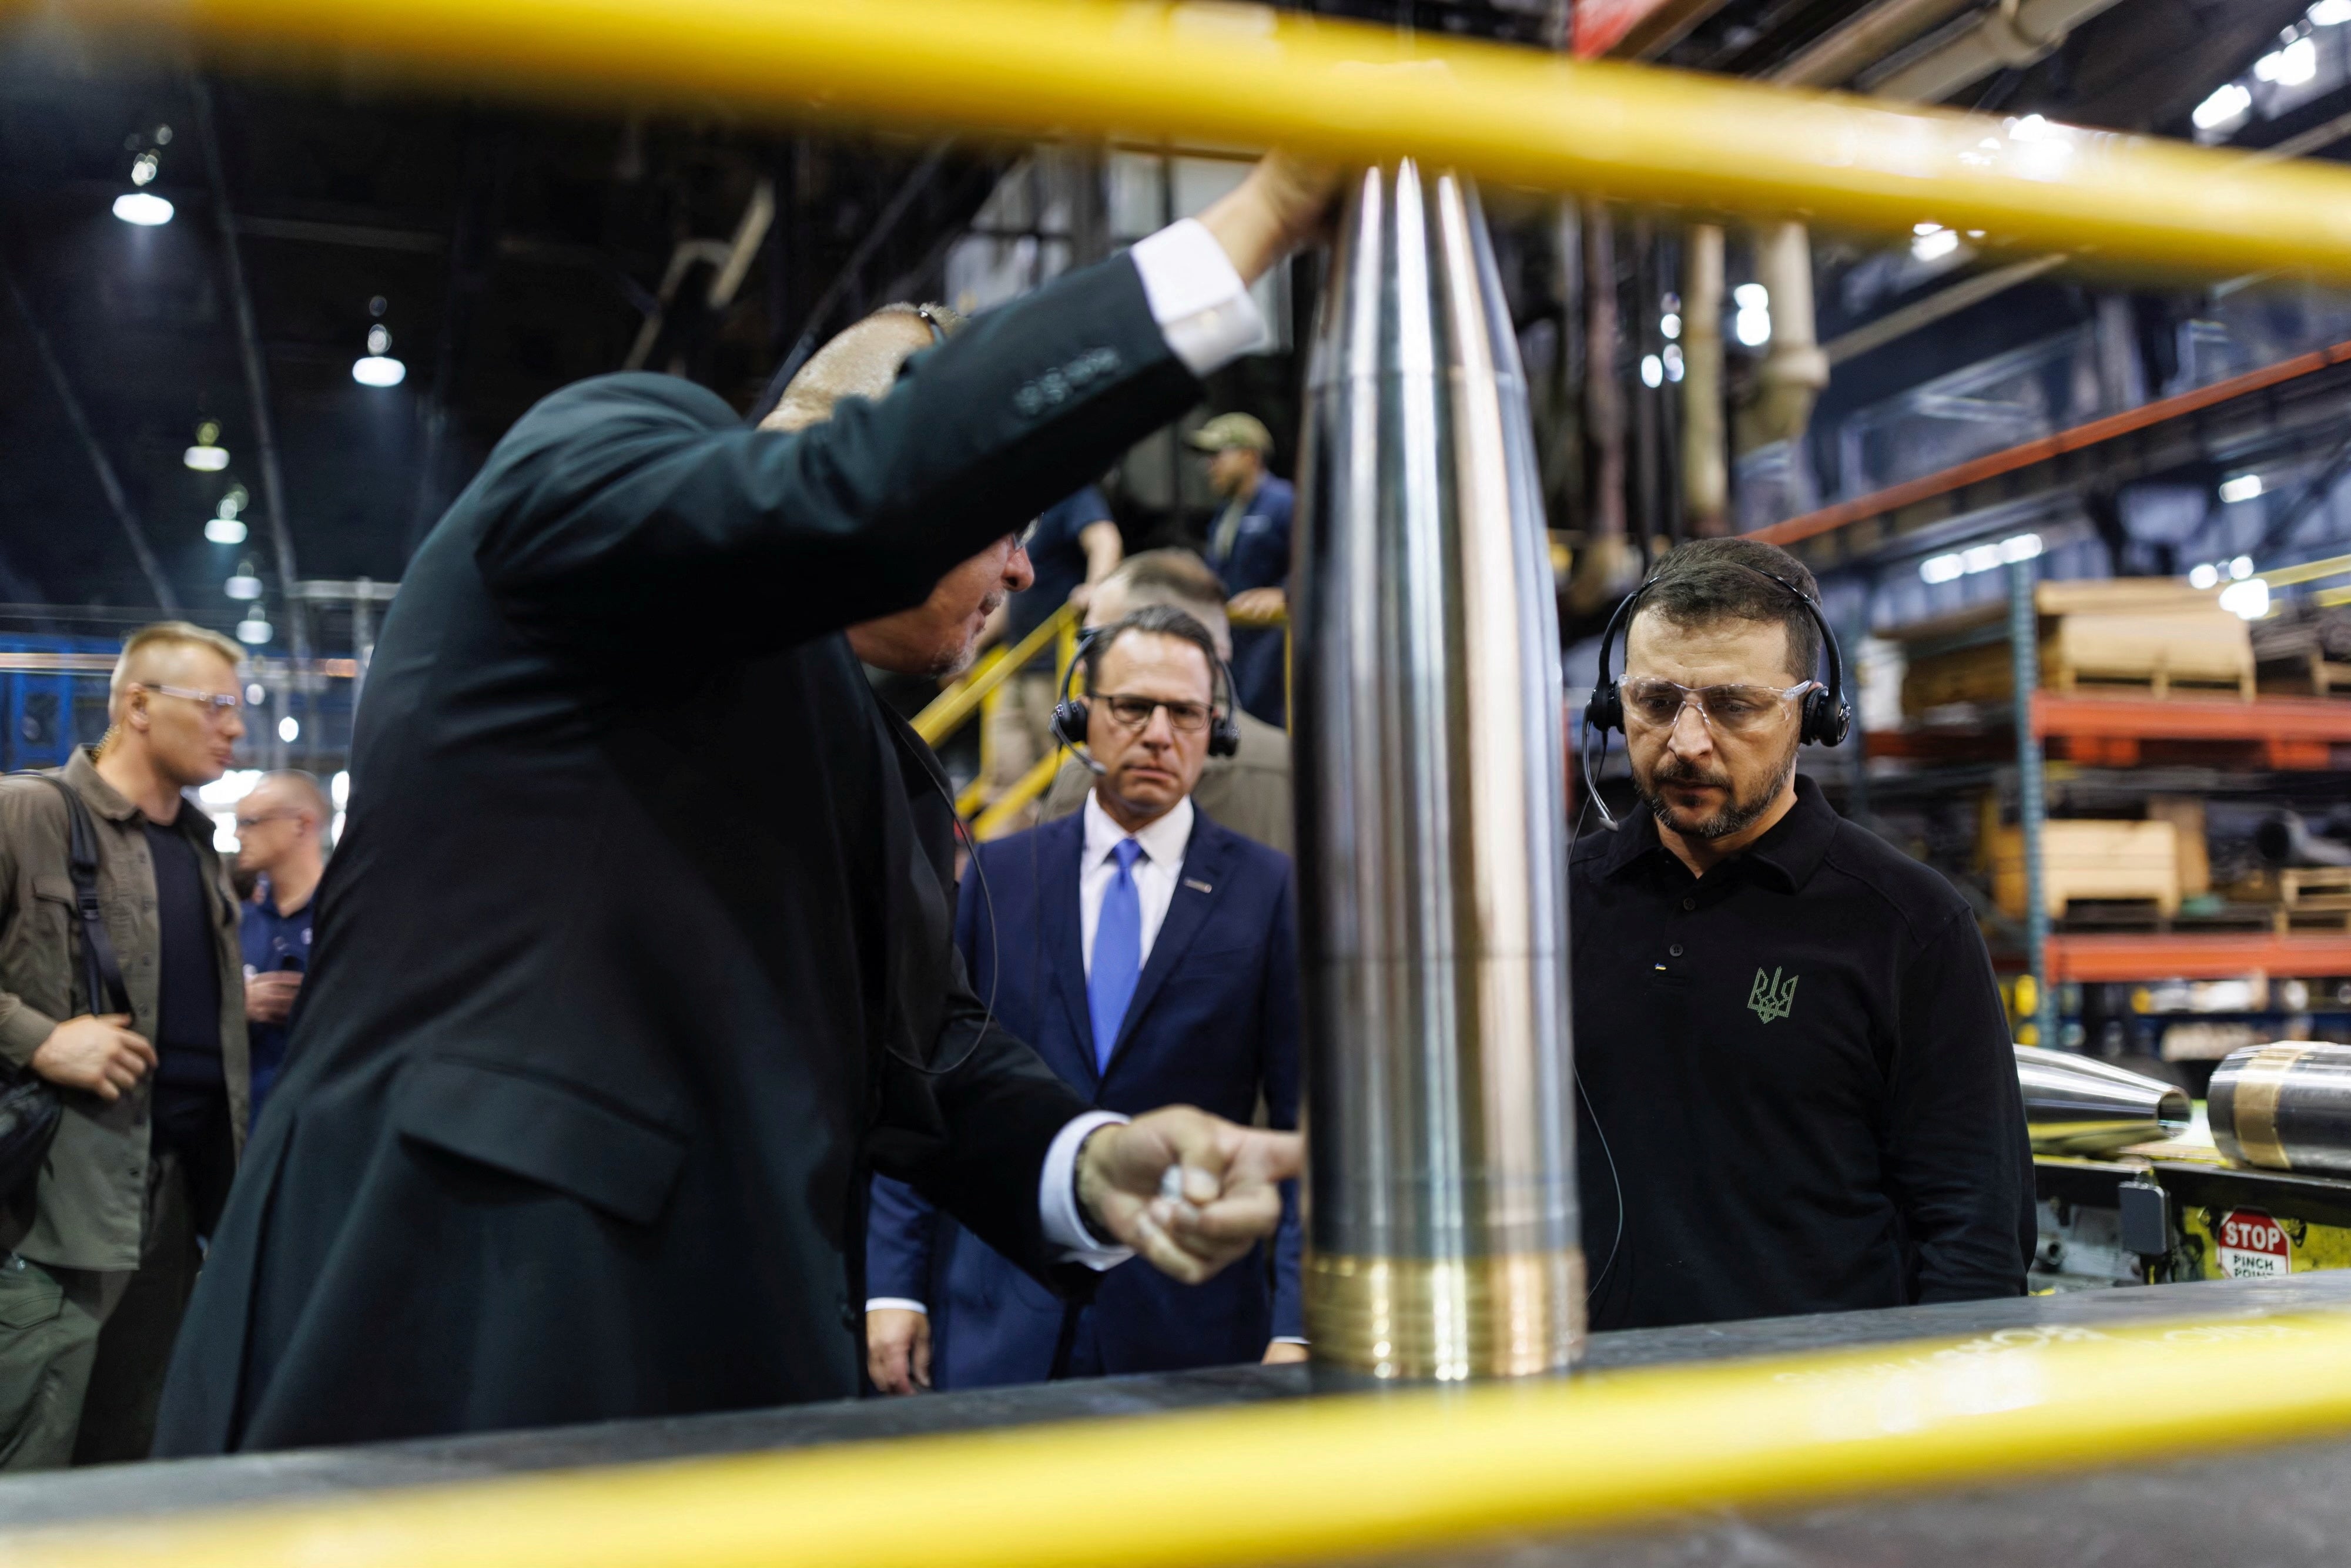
x=1202, y=306
x=895, y=1303
x=1056, y=1196
x=1277, y=1339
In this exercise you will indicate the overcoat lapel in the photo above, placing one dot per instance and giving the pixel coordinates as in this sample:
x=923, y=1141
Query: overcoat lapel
x=1204, y=861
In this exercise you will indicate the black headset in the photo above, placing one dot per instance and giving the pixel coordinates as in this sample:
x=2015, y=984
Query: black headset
x=1826, y=719
x=1070, y=715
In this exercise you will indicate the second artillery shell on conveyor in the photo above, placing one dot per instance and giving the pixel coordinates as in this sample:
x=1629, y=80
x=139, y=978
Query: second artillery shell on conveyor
x=2287, y=1106
x=2076, y=1105
x=1441, y=1220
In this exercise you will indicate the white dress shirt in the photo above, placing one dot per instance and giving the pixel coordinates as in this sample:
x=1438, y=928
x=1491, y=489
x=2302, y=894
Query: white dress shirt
x=1156, y=871
x=1205, y=312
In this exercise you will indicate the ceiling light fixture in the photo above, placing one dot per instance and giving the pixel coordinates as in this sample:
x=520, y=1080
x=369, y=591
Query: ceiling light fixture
x=143, y=208
x=2229, y=101
x=379, y=368
x=225, y=529
x=253, y=630
x=245, y=584
x=1979, y=557
x=207, y=455
x=2240, y=487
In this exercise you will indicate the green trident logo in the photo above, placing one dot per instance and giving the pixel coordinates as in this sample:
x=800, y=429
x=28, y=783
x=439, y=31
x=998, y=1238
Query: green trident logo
x=1772, y=998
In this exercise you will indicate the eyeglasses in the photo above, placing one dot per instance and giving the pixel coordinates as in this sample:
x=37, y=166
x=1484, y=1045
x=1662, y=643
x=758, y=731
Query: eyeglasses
x=1133, y=713
x=220, y=702
x=1657, y=703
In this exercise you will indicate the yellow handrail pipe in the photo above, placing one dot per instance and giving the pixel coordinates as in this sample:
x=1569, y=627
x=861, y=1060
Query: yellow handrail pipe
x=947, y=712
x=1340, y=1478
x=1003, y=813
x=1245, y=75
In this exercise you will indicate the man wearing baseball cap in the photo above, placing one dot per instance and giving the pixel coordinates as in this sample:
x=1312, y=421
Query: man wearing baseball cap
x=1248, y=546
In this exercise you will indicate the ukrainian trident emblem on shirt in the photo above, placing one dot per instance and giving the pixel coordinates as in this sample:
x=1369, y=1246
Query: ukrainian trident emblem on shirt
x=1772, y=998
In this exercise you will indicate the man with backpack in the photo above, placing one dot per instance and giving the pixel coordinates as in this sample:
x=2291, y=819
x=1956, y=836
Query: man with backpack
x=150, y=1078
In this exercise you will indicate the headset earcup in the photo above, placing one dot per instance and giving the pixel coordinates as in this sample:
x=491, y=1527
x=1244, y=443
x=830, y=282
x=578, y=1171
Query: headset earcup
x=1224, y=735
x=1827, y=719
x=1605, y=709
x=1070, y=722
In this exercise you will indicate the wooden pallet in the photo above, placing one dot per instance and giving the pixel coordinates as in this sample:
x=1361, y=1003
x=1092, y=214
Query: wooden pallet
x=2106, y=861
x=2311, y=676
x=2143, y=637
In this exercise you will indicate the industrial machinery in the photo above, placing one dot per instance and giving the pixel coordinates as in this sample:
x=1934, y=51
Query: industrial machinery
x=2266, y=1194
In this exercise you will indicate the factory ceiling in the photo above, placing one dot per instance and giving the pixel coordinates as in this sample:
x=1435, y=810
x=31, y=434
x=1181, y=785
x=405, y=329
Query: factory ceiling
x=506, y=251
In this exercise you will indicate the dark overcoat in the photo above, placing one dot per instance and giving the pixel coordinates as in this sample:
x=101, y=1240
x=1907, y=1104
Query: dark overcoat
x=630, y=960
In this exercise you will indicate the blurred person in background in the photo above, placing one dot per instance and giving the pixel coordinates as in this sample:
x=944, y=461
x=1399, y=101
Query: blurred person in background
x=102, y=1245
x=1248, y=549
x=1247, y=791
x=1150, y=955
x=281, y=830
x=1072, y=548
x=604, y=1153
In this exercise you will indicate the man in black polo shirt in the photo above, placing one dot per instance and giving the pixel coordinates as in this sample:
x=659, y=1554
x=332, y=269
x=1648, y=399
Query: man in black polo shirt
x=1788, y=1032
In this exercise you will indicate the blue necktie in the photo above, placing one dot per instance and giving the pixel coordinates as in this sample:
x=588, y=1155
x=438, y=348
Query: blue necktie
x=1118, y=954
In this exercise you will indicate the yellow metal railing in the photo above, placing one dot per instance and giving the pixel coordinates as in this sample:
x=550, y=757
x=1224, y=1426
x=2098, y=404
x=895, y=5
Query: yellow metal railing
x=1242, y=76
x=980, y=691
x=1341, y=1477
x=962, y=697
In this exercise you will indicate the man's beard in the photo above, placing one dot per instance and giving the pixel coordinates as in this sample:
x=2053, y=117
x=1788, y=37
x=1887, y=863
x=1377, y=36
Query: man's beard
x=1736, y=814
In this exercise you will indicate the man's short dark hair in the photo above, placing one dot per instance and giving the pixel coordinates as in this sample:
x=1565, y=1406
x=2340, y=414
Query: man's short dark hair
x=1709, y=581
x=1161, y=619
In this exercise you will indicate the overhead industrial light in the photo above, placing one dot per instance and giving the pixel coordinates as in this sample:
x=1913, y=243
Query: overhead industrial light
x=1752, y=325
x=2290, y=67
x=253, y=630
x=226, y=529
x=1979, y=557
x=289, y=730
x=378, y=368
x=144, y=208
x=2240, y=487
x=2248, y=601
x=2212, y=574
x=2330, y=13
x=207, y=455
x=245, y=584
x=2229, y=101
x=1932, y=242
x=1653, y=370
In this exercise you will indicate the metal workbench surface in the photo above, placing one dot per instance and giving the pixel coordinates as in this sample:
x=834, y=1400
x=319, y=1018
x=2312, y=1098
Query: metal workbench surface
x=2287, y=1506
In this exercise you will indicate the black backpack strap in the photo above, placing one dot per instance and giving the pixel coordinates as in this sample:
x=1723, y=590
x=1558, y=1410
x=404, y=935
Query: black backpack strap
x=102, y=975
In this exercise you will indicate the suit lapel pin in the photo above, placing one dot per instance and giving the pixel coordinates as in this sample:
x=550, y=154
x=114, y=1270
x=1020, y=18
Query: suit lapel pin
x=1194, y=882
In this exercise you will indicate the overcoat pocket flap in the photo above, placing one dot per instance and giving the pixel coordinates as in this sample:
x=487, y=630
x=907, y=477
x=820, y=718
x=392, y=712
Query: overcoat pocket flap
x=542, y=1131
x=57, y=888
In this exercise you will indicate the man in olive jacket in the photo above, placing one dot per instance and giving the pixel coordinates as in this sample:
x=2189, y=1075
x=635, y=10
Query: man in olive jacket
x=633, y=958
x=102, y=1243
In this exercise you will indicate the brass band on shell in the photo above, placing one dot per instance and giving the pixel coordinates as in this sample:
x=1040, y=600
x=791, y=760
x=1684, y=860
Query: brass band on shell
x=2258, y=1085
x=1413, y=1318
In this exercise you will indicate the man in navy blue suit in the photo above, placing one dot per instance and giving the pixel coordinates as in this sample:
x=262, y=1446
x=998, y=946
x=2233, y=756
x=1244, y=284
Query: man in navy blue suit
x=1150, y=957
x=1248, y=546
